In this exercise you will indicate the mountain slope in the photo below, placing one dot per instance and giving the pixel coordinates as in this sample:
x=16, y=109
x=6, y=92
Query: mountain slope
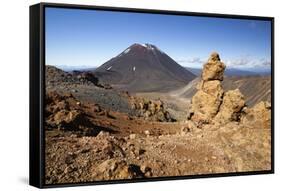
x=229, y=72
x=254, y=88
x=55, y=77
x=143, y=67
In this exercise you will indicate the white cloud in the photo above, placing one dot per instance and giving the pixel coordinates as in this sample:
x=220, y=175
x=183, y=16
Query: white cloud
x=192, y=62
x=246, y=61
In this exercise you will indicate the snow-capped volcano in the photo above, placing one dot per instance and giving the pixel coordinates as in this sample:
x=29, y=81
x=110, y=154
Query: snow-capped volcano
x=140, y=49
x=143, y=67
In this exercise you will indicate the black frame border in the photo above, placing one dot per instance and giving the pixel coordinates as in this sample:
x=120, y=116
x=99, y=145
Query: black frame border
x=37, y=93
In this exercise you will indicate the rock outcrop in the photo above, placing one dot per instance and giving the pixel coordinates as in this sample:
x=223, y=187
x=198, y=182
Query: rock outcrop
x=211, y=105
x=207, y=100
x=151, y=110
x=55, y=76
x=258, y=116
x=231, y=107
x=63, y=112
x=113, y=169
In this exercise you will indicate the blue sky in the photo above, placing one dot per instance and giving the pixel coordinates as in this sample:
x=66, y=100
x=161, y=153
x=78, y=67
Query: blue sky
x=88, y=38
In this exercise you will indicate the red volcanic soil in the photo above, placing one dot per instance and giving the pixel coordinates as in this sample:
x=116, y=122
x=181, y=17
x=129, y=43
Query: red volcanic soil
x=114, y=145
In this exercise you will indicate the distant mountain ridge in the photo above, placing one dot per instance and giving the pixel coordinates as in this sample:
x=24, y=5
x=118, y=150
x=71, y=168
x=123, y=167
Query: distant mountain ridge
x=76, y=68
x=232, y=72
x=142, y=68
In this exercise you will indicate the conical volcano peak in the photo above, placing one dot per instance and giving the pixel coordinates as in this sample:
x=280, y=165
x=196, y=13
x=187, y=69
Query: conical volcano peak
x=138, y=48
x=147, y=45
x=144, y=46
x=143, y=67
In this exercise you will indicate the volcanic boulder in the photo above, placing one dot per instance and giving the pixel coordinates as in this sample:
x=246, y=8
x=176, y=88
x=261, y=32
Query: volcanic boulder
x=56, y=102
x=113, y=169
x=64, y=112
x=231, y=107
x=258, y=116
x=71, y=120
x=151, y=110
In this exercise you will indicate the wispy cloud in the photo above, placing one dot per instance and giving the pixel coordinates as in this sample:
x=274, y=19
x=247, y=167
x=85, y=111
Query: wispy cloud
x=248, y=62
x=242, y=62
x=192, y=62
x=239, y=62
x=265, y=62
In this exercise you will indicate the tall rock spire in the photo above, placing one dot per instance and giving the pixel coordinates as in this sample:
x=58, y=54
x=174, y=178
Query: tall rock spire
x=211, y=103
x=207, y=100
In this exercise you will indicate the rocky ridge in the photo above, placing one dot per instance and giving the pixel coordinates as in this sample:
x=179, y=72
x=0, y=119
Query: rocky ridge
x=56, y=76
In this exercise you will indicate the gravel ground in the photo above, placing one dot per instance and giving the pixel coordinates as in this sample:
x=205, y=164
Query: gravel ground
x=107, y=98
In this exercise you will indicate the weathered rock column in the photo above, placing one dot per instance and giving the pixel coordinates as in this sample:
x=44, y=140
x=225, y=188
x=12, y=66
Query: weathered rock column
x=207, y=100
x=212, y=105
